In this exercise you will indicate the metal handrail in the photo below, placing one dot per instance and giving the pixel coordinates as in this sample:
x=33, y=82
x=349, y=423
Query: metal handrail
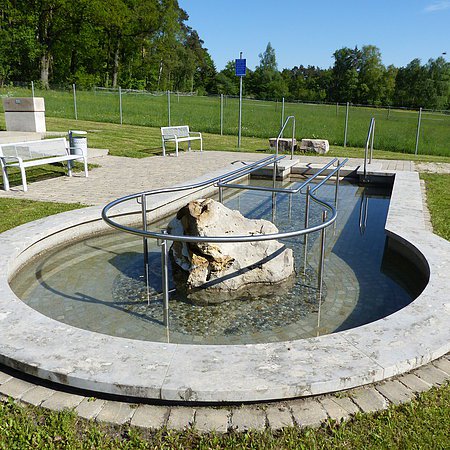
x=281, y=134
x=282, y=190
x=369, y=140
x=213, y=239
x=163, y=237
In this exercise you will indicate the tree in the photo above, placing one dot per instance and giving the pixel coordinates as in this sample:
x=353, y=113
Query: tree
x=266, y=82
x=345, y=74
x=370, y=76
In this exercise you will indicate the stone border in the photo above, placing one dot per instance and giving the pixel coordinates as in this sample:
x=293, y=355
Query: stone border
x=310, y=412
x=43, y=347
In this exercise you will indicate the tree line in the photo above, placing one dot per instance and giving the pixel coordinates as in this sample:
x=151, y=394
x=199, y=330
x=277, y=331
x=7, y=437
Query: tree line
x=146, y=44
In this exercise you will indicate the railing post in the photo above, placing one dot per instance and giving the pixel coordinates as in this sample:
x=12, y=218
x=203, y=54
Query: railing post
x=322, y=256
x=371, y=141
x=346, y=124
x=75, y=101
x=165, y=278
x=145, y=245
x=293, y=137
x=282, y=115
x=221, y=114
x=336, y=192
x=220, y=192
x=120, y=105
x=168, y=107
x=418, y=131
x=32, y=89
x=274, y=207
x=305, y=237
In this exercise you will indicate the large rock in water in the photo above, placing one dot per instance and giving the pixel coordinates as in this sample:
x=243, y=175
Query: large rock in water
x=216, y=272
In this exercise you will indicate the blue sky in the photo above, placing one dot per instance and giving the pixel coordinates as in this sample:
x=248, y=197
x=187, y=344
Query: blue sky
x=308, y=32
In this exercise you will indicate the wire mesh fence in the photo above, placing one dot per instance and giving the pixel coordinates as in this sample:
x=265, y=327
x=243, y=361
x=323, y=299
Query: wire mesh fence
x=396, y=128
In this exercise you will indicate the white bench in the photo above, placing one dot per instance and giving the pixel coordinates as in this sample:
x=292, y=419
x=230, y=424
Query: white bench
x=36, y=153
x=179, y=134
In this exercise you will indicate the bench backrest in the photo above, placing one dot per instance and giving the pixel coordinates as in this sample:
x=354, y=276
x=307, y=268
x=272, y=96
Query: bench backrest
x=36, y=149
x=170, y=132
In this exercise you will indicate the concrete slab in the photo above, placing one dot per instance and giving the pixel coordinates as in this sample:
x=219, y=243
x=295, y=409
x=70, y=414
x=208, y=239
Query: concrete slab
x=15, y=388
x=116, y=413
x=4, y=377
x=334, y=410
x=369, y=400
x=431, y=375
x=279, y=417
x=395, y=391
x=37, y=395
x=248, y=418
x=150, y=416
x=346, y=404
x=308, y=413
x=443, y=364
x=90, y=407
x=212, y=420
x=62, y=400
x=180, y=418
x=414, y=383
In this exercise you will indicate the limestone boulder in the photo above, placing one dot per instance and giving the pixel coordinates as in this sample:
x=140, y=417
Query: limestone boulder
x=320, y=146
x=284, y=144
x=216, y=272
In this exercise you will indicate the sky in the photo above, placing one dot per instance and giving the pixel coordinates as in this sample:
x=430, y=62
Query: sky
x=308, y=32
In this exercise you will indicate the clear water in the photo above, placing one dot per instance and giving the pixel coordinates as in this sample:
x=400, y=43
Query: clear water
x=98, y=284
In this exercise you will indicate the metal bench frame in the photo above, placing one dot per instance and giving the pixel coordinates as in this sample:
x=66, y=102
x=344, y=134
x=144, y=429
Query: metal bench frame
x=179, y=134
x=38, y=155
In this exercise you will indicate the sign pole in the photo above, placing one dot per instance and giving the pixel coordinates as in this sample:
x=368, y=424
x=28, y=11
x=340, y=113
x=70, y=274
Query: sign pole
x=240, y=67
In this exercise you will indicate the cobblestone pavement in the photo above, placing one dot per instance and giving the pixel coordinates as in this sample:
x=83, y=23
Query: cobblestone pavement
x=119, y=176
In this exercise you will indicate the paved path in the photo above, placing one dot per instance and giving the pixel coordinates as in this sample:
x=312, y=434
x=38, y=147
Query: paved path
x=119, y=176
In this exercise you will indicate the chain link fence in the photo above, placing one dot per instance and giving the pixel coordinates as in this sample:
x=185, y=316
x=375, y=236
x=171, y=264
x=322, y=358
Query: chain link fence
x=397, y=129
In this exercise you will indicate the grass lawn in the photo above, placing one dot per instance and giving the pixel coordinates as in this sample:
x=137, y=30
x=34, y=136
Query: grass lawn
x=140, y=141
x=395, y=129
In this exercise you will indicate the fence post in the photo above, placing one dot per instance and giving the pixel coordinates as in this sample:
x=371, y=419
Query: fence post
x=221, y=114
x=168, y=107
x=75, y=101
x=32, y=89
x=418, y=131
x=346, y=124
x=282, y=114
x=120, y=105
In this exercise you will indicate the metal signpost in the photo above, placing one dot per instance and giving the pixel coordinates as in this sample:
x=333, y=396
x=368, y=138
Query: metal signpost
x=240, y=72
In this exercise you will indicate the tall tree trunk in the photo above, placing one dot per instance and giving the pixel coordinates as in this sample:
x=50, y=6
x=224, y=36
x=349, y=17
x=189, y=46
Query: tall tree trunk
x=46, y=60
x=116, y=64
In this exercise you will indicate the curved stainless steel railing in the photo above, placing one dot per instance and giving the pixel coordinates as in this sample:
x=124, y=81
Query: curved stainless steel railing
x=220, y=182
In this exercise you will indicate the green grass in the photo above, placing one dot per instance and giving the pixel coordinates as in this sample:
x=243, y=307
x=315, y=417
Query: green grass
x=15, y=212
x=139, y=141
x=422, y=423
x=438, y=199
x=395, y=131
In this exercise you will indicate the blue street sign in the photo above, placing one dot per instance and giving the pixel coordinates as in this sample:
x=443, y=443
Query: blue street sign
x=240, y=67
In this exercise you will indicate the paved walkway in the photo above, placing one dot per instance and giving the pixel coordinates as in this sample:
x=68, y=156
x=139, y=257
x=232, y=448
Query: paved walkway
x=118, y=176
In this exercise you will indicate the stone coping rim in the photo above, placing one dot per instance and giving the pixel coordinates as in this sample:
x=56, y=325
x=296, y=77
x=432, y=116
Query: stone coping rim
x=409, y=338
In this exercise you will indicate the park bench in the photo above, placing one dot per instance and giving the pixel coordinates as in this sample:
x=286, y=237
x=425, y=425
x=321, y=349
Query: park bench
x=179, y=134
x=36, y=153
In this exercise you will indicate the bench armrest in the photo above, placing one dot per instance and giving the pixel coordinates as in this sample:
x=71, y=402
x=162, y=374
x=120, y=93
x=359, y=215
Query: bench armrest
x=195, y=132
x=13, y=158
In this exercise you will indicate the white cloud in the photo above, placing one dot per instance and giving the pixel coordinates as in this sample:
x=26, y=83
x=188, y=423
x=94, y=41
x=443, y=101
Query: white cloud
x=437, y=6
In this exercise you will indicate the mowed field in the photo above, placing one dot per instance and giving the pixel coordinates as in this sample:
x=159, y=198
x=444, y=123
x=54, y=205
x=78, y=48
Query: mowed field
x=395, y=129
